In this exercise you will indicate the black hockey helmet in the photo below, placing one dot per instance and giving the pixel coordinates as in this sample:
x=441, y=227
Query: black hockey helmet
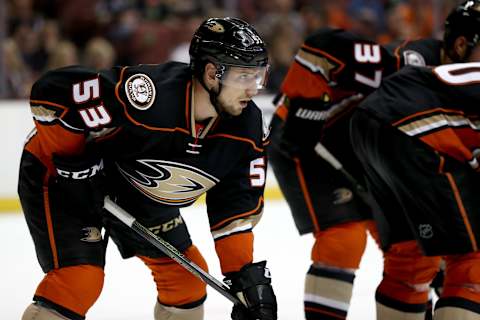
x=227, y=42
x=464, y=20
x=235, y=48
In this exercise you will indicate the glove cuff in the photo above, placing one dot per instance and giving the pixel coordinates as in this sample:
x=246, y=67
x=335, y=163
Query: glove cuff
x=250, y=275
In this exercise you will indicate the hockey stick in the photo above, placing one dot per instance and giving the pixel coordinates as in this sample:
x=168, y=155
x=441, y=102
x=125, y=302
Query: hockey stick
x=168, y=250
x=360, y=191
x=330, y=158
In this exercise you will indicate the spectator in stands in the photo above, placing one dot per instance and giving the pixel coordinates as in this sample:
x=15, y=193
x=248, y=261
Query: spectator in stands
x=314, y=16
x=99, y=54
x=65, y=54
x=18, y=77
x=400, y=23
x=283, y=41
x=50, y=35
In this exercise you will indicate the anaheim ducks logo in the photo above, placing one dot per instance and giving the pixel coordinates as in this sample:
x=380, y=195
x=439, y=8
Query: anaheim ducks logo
x=169, y=182
x=91, y=234
x=140, y=91
x=215, y=26
x=342, y=195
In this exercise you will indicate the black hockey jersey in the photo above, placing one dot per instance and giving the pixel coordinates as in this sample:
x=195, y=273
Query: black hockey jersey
x=335, y=68
x=332, y=72
x=437, y=105
x=422, y=52
x=142, y=120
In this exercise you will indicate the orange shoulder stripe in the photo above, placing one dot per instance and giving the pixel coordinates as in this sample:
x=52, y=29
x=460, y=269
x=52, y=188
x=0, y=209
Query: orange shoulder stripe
x=397, y=52
x=229, y=136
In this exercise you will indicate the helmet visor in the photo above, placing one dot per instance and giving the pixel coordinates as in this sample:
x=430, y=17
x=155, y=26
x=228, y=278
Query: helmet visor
x=245, y=78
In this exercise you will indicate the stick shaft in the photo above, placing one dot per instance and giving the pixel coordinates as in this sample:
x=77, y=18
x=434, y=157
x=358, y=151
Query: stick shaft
x=383, y=226
x=168, y=249
x=330, y=158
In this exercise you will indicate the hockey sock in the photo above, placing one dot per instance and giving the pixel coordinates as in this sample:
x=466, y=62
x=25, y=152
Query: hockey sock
x=460, y=297
x=403, y=293
x=162, y=312
x=327, y=293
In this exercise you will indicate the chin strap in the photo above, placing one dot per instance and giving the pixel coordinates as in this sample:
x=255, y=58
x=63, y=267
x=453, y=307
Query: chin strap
x=214, y=94
x=214, y=99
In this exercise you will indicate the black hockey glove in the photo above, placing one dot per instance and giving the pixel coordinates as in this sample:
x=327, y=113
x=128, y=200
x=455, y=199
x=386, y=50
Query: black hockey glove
x=303, y=126
x=252, y=284
x=81, y=181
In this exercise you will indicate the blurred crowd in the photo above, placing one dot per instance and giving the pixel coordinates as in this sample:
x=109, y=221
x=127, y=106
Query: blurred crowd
x=45, y=34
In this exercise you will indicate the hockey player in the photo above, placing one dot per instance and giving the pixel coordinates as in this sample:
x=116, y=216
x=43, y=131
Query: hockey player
x=417, y=139
x=332, y=72
x=154, y=138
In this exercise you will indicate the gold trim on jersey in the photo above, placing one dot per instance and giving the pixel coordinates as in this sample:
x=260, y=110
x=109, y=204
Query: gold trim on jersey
x=237, y=226
x=42, y=114
x=434, y=122
x=315, y=63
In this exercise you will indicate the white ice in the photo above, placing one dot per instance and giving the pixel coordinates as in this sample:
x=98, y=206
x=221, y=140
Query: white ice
x=129, y=292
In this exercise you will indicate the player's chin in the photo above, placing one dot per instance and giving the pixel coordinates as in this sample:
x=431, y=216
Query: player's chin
x=237, y=109
x=235, y=112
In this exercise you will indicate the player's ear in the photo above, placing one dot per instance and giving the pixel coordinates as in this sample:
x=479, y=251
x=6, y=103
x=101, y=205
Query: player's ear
x=460, y=46
x=209, y=75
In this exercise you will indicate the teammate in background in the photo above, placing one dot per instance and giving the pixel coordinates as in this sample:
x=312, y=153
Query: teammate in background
x=417, y=138
x=332, y=72
x=163, y=135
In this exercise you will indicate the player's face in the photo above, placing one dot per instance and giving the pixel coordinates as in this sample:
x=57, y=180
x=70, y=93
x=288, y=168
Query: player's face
x=239, y=86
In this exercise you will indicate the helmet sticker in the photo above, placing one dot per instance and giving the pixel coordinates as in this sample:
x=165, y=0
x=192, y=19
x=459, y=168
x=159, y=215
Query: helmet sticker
x=227, y=41
x=215, y=26
x=248, y=38
x=140, y=91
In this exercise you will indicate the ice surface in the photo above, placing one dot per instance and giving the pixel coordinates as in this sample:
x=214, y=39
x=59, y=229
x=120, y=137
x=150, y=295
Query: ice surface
x=129, y=292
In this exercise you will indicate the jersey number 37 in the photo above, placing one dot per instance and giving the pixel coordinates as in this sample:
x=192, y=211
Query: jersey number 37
x=368, y=53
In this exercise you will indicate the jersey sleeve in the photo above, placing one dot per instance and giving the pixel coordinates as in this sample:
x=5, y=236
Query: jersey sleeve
x=422, y=52
x=331, y=73
x=67, y=105
x=235, y=205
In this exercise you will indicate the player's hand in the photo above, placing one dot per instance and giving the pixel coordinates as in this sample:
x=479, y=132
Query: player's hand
x=252, y=284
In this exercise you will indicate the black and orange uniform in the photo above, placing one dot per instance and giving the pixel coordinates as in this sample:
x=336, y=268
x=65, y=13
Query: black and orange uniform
x=332, y=72
x=418, y=138
x=134, y=129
